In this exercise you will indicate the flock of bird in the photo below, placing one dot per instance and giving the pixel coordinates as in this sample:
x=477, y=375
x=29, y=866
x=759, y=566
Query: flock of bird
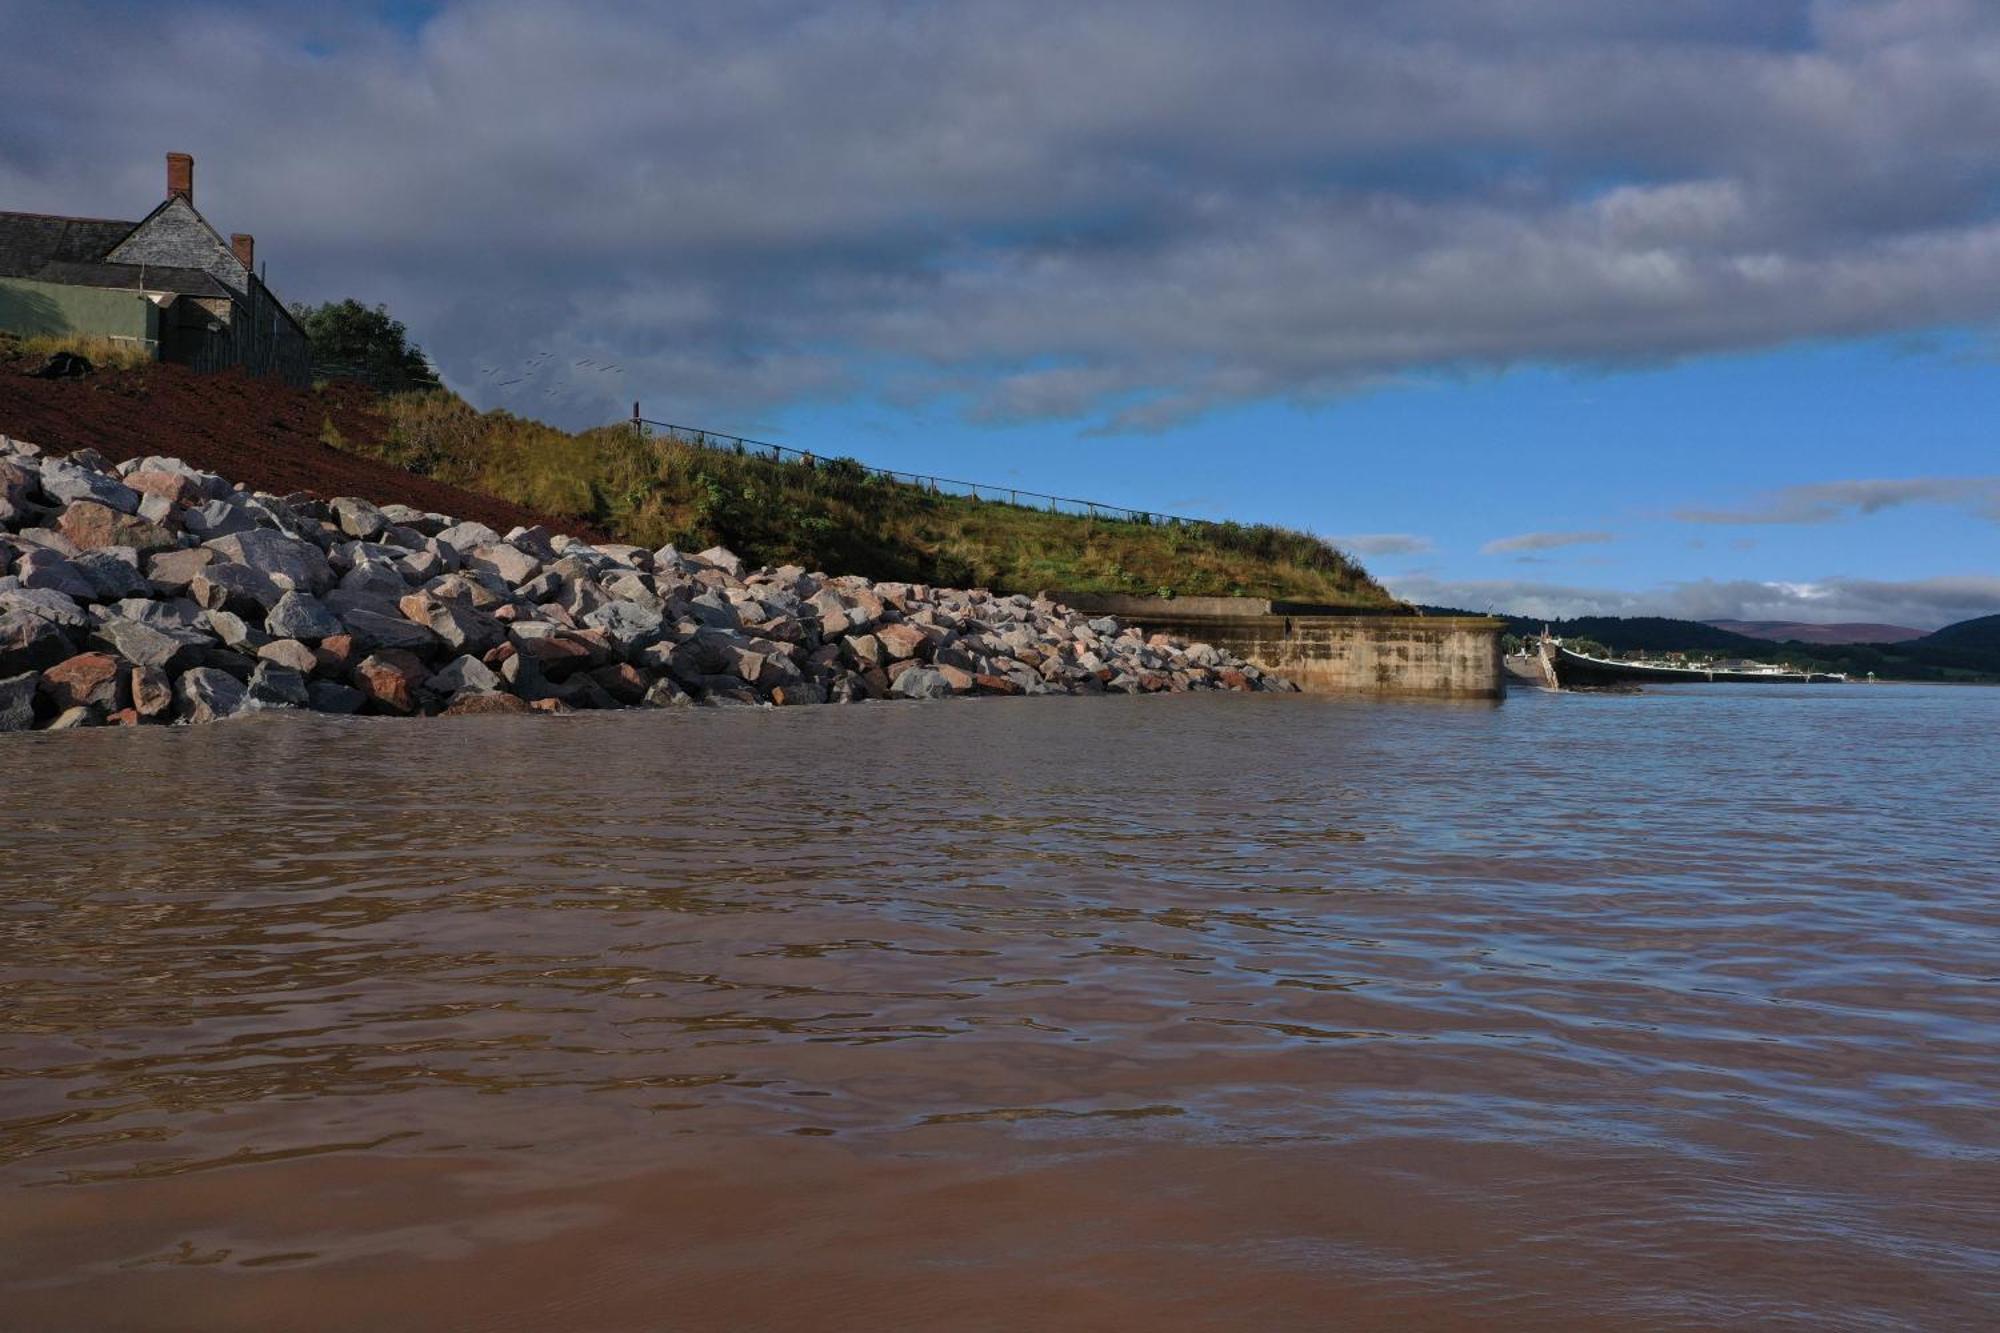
x=543, y=361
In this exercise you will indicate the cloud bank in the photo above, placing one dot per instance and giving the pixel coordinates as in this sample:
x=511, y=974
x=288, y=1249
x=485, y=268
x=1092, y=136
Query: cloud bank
x=1120, y=214
x=1384, y=543
x=1543, y=541
x=1921, y=603
x=1826, y=501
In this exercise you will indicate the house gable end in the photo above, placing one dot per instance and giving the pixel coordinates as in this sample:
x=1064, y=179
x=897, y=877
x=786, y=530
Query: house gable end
x=175, y=234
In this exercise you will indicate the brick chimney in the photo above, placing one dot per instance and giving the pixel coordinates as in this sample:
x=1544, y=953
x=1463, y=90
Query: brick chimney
x=180, y=176
x=245, y=248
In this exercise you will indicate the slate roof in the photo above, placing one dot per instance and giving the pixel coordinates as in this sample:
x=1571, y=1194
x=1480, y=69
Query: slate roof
x=29, y=242
x=71, y=251
x=150, y=277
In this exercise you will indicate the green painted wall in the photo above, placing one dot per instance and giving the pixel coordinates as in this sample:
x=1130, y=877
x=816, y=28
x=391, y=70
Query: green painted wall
x=33, y=308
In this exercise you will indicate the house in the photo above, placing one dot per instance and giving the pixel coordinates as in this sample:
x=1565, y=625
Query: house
x=169, y=283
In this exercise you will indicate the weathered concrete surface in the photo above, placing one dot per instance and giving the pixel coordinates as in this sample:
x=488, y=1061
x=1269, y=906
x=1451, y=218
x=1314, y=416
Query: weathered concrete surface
x=1446, y=657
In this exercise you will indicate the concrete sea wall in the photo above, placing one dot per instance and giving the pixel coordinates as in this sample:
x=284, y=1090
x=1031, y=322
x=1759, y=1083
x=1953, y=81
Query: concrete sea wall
x=1327, y=651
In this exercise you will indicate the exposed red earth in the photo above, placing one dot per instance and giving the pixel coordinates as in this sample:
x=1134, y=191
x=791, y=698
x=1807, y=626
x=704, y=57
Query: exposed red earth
x=252, y=430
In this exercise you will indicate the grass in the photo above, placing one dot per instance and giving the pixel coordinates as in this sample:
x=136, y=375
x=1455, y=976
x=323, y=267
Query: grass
x=836, y=516
x=111, y=353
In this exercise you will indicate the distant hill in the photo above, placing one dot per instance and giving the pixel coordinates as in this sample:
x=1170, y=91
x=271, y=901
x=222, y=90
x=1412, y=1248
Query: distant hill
x=1799, y=631
x=1631, y=634
x=1970, y=645
x=1967, y=651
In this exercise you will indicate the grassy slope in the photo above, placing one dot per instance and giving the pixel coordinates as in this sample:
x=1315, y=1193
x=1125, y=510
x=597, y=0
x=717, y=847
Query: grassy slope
x=837, y=518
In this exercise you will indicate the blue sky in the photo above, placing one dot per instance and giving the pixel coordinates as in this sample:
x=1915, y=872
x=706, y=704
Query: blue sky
x=1556, y=306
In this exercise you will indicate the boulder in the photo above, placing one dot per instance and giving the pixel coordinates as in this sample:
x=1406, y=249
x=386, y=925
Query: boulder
x=275, y=686
x=557, y=656
x=664, y=693
x=467, y=537
x=30, y=643
x=330, y=696
x=17, y=701
x=721, y=558
x=227, y=585
x=920, y=683
x=55, y=607
x=337, y=655
x=90, y=525
x=177, y=489
x=172, y=651
x=628, y=624
x=300, y=615
x=88, y=679
x=474, y=703
x=455, y=624
x=289, y=653
x=537, y=541
x=207, y=694
x=234, y=630
x=901, y=642
x=374, y=630
x=217, y=518
x=80, y=716
x=390, y=680
x=622, y=681
x=864, y=650
x=463, y=673
x=44, y=568
x=151, y=691
x=509, y=564
x=358, y=518
x=18, y=487
x=798, y=692
x=113, y=573
x=289, y=562
x=64, y=482
x=172, y=571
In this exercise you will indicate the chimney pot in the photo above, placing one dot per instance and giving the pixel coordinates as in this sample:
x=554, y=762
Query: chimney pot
x=180, y=176
x=245, y=248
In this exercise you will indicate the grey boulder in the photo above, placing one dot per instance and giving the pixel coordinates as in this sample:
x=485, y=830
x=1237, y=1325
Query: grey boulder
x=171, y=650
x=300, y=615
x=17, y=701
x=208, y=694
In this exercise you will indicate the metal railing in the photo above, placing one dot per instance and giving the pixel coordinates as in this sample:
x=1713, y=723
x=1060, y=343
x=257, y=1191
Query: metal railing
x=646, y=428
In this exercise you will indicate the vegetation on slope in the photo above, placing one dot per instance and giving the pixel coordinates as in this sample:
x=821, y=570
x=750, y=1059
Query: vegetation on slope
x=354, y=341
x=836, y=516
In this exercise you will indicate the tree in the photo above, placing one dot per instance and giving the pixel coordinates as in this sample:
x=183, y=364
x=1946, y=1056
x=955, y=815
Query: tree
x=354, y=341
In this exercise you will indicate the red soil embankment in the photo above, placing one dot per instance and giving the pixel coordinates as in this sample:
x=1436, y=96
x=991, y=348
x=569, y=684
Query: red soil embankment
x=254, y=431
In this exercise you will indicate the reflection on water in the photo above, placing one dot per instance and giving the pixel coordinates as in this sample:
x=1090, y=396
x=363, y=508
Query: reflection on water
x=1668, y=1011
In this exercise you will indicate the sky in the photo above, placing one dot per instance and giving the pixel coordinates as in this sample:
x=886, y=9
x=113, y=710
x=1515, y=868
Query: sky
x=1544, y=306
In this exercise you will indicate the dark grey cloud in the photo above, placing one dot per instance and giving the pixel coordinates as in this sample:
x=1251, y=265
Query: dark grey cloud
x=1384, y=543
x=1543, y=541
x=1922, y=603
x=1121, y=213
x=1826, y=501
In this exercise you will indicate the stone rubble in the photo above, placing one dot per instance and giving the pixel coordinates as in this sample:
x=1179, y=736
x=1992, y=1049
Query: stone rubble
x=151, y=592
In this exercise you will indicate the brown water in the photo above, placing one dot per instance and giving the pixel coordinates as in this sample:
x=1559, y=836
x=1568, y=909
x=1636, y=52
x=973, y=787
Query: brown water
x=1660, y=1012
